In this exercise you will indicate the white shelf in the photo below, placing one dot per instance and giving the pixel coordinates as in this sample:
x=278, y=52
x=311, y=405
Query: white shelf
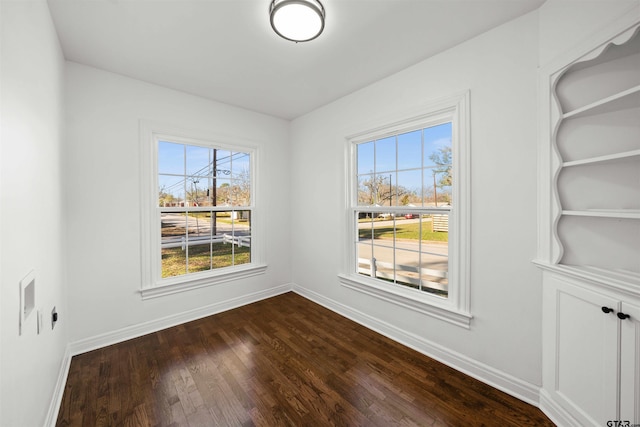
x=605, y=213
x=603, y=159
x=629, y=98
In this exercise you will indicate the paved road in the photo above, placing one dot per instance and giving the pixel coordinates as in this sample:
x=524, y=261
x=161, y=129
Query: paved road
x=434, y=255
x=202, y=227
x=429, y=255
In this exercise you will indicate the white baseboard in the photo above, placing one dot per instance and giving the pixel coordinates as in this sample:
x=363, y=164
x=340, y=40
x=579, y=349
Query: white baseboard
x=141, y=329
x=516, y=387
x=58, y=391
x=555, y=412
x=511, y=385
x=124, y=334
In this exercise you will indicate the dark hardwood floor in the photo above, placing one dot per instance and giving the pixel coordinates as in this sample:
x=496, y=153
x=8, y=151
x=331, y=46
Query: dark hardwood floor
x=284, y=361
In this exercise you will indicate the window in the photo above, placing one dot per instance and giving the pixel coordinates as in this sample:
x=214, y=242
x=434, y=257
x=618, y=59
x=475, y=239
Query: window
x=408, y=212
x=200, y=215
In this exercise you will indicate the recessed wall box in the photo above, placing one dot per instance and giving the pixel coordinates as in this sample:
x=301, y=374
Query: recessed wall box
x=27, y=300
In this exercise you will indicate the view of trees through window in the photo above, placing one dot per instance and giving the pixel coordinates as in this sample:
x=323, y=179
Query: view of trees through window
x=204, y=203
x=404, y=200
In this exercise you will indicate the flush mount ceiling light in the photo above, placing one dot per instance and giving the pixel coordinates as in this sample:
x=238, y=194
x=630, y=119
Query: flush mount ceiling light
x=297, y=20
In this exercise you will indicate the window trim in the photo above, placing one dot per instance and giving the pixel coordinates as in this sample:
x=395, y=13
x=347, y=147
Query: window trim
x=153, y=286
x=456, y=308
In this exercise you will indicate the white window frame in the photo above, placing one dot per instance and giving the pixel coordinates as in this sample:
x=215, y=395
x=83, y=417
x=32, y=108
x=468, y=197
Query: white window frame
x=455, y=308
x=153, y=285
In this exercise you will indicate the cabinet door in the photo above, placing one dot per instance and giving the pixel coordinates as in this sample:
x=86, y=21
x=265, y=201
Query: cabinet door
x=630, y=365
x=586, y=354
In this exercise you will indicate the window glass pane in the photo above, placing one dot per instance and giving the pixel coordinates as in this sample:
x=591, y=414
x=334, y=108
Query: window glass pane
x=365, y=157
x=430, y=188
x=383, y=229
x=170, y=158
x=435, y=254
x=196, y=190
x=365, y=226
x=171, y=191
x=437, y=184
x=406, y=265
x=437, y=145
x=223, y=246
x=443, y=185
x=241, y=192
x=199, y=239
x=366, y=191
x=241, y=168
x=364, y=240
x=205, y=192
x=173, y=244
x=223, y=193
x=222, y=224
x=409, y=189
x=407, y=249
x=384, y=263
x=382, y=189
x=241, y=237
x=198, y=176
x=199, y=161
x=386, y=154
x=410, y=150
x=223, y=163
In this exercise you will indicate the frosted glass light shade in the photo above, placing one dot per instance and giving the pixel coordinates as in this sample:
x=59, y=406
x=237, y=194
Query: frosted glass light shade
x=297, y=20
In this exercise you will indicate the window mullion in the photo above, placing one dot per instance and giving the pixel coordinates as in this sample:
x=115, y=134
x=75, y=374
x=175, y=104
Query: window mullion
x=186, y=207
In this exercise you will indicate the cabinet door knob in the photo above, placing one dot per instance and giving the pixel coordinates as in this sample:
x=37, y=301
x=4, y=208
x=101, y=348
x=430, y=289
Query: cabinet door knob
x=607, y=310
x=623, y=316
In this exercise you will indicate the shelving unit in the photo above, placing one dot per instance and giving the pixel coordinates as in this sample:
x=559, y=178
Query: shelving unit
x=589, y=247
x=597, y=182
x=603, y=159
x=629, y=98
x=606, y=213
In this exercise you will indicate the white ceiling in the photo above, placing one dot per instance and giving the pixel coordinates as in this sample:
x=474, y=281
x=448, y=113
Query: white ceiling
x=225, y=50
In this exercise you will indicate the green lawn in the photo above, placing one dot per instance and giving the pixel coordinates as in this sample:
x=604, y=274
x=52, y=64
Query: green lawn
x=174, y=259
x=406, y=231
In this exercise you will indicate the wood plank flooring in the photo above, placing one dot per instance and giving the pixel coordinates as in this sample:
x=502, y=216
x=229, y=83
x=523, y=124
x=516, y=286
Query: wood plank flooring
x=284, y=361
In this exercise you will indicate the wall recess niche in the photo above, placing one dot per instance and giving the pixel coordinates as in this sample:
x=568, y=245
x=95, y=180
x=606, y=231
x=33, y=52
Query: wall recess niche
x=597, y=176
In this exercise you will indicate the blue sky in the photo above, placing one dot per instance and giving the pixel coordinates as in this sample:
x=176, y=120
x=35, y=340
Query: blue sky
x=177, y=161
x=410, y=155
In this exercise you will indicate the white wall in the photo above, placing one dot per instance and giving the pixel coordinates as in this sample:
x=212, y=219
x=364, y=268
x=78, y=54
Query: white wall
x=499, y=68
x=31, y=226
x=564, y=24
x=101, y=191
x=103, y=197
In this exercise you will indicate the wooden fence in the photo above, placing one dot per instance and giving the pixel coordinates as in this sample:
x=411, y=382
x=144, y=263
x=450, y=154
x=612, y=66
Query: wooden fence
x=385, y=270
x=240, y=241
x=440, y=222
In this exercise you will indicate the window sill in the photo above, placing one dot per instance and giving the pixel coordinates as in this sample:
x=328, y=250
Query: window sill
x=409, y=298
x=184, y=284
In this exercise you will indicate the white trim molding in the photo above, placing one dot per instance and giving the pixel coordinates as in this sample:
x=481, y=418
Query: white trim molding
x=153, y=285
x=503, y=381
x=141, y=329
x=130, y=332
x=58, y=391
x=455, y=308
x=241, y=272
x=416, y=302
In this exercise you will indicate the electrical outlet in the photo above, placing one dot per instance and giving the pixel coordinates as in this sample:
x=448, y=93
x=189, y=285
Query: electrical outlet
x=54, y=317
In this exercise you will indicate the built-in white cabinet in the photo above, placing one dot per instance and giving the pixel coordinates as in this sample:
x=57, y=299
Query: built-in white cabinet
x=592, y=369
x=630, y=363
x=589, y=219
